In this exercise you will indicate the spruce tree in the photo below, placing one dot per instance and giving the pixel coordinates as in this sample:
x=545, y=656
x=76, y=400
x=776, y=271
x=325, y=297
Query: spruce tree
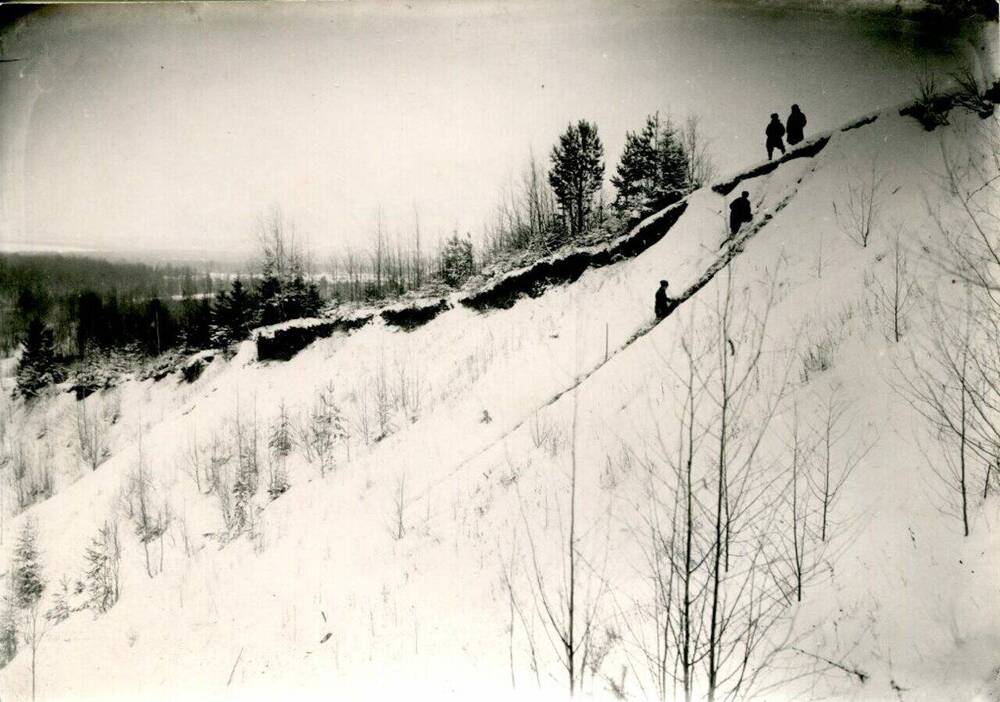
x=577, y=174
x=8, y=628
x=36, y=368
x=632, y=177
x=26, y=568
x=103, y=557
x=233, y=315
x=653, y=170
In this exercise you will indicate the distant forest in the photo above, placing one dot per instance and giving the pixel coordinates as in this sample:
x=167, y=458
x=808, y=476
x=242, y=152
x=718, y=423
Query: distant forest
x=90, y=301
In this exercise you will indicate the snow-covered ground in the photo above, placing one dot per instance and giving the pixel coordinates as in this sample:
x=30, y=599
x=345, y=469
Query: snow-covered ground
x=386, y=576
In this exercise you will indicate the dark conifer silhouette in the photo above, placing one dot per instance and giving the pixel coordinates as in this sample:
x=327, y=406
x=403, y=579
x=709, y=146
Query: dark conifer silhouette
x=653, y=171
x=577, y=174
x=36, y=368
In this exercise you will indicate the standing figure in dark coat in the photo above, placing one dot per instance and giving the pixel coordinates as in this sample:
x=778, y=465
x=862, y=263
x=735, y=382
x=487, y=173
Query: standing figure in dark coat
x=739, y=212
x=662, y=305
x=775, y=131
x=796, y=122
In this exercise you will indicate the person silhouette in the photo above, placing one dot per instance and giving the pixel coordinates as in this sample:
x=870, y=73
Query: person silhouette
x=662, y=304
x=775, y=130
x=796, y=123
x=739, y=212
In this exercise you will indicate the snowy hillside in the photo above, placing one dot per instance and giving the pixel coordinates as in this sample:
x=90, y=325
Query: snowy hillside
x=424, y=555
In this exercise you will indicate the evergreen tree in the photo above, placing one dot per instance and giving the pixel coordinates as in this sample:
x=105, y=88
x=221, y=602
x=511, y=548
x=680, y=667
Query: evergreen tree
x=103, y=557
x=159, y=328
x=60, y=609
x=577, y=174
x=36, y=368
x=233, y=315
x=28, y=586
x=653, y=170
x=280, y=444
x=8, y=628
x=26, y=568
x=457, y=263
x=89, y=322
x=196, y=324
x=326, y=429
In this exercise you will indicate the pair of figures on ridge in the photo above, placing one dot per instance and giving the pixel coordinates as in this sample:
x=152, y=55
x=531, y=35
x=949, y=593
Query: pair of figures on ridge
x=740, y=212
x=776, y=130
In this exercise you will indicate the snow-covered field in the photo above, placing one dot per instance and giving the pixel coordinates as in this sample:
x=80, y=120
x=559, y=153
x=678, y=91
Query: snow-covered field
x=388, y=575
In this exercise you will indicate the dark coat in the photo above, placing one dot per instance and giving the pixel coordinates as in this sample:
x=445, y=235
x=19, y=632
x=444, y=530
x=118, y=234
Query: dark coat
x=775, y=130
x=739, y=212
x=796, y=123
x=662, y=304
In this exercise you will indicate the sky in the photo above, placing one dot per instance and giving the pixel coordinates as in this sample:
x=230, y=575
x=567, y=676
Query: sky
x=176, y=126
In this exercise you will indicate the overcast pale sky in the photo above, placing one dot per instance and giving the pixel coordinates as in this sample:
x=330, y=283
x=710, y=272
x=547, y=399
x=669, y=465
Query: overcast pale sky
x=175, y=126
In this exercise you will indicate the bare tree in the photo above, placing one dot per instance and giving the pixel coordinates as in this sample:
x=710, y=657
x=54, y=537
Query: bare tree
x=91, y=432
x=947, y=407
x=138, y=500
x=828, y=479
x=700, y=169
x=568, y=609
x=861, y=204
x=955, y=382
x=399, y=508
x=714, y=618
x=895, y=297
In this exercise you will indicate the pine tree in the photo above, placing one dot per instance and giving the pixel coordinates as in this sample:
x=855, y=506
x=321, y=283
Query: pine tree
x=577, y=174
x=457, y=263
x=36, y=368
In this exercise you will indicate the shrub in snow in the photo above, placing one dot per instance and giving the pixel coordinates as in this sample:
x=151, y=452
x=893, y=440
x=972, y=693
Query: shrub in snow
x=929, y=108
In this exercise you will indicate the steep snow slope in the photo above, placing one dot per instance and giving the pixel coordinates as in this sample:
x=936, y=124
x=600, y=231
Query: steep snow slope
x=324, y=599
